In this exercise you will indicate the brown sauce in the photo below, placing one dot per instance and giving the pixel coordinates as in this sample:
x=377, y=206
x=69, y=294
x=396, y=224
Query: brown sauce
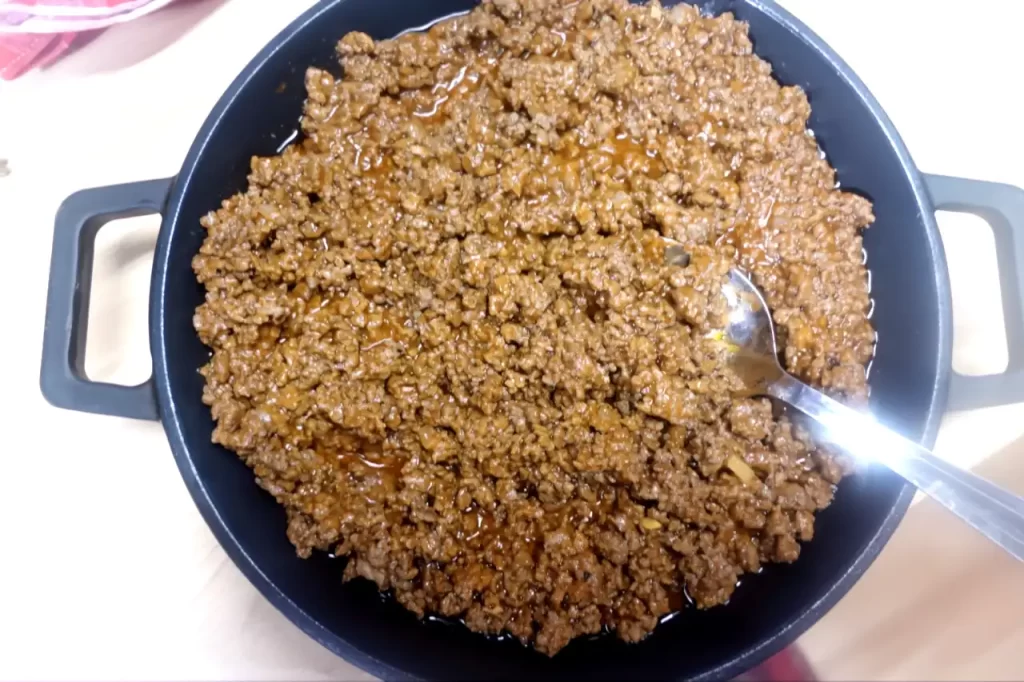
x=445, y=338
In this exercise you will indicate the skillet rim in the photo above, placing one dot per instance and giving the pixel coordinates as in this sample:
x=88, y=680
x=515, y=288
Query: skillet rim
x=738, y=662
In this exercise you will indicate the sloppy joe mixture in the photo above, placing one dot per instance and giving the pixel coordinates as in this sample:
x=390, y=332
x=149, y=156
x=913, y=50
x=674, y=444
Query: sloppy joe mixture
x=445, y=338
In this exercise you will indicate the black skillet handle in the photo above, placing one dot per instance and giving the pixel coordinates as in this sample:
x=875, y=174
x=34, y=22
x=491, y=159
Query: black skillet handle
x=1002, y=206
x=62, y=377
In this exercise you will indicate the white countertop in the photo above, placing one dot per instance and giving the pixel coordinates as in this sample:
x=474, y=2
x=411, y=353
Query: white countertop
x=108, y=570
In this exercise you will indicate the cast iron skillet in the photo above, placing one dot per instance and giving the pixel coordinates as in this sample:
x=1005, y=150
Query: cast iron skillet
x=910, y=378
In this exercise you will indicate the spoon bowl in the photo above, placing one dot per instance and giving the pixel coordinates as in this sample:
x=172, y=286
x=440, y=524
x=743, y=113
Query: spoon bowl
x=750, y=334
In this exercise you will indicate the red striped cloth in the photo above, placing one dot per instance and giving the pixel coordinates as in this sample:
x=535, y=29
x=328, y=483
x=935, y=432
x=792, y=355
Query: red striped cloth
x=20, y=52
x=34, y=33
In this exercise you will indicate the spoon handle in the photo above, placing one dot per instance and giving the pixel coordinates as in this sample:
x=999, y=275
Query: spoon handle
x=995, y=513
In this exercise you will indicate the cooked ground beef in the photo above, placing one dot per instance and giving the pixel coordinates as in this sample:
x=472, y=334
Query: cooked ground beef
x=445, y=338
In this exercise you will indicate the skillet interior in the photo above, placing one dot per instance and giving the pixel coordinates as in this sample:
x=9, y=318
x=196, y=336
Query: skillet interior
x=908, y=379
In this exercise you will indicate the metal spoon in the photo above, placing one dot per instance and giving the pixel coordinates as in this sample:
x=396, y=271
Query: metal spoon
x=994, y=512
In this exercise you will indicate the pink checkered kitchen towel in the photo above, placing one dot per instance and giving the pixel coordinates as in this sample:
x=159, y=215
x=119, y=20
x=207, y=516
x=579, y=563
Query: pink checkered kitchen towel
x=35, y=32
